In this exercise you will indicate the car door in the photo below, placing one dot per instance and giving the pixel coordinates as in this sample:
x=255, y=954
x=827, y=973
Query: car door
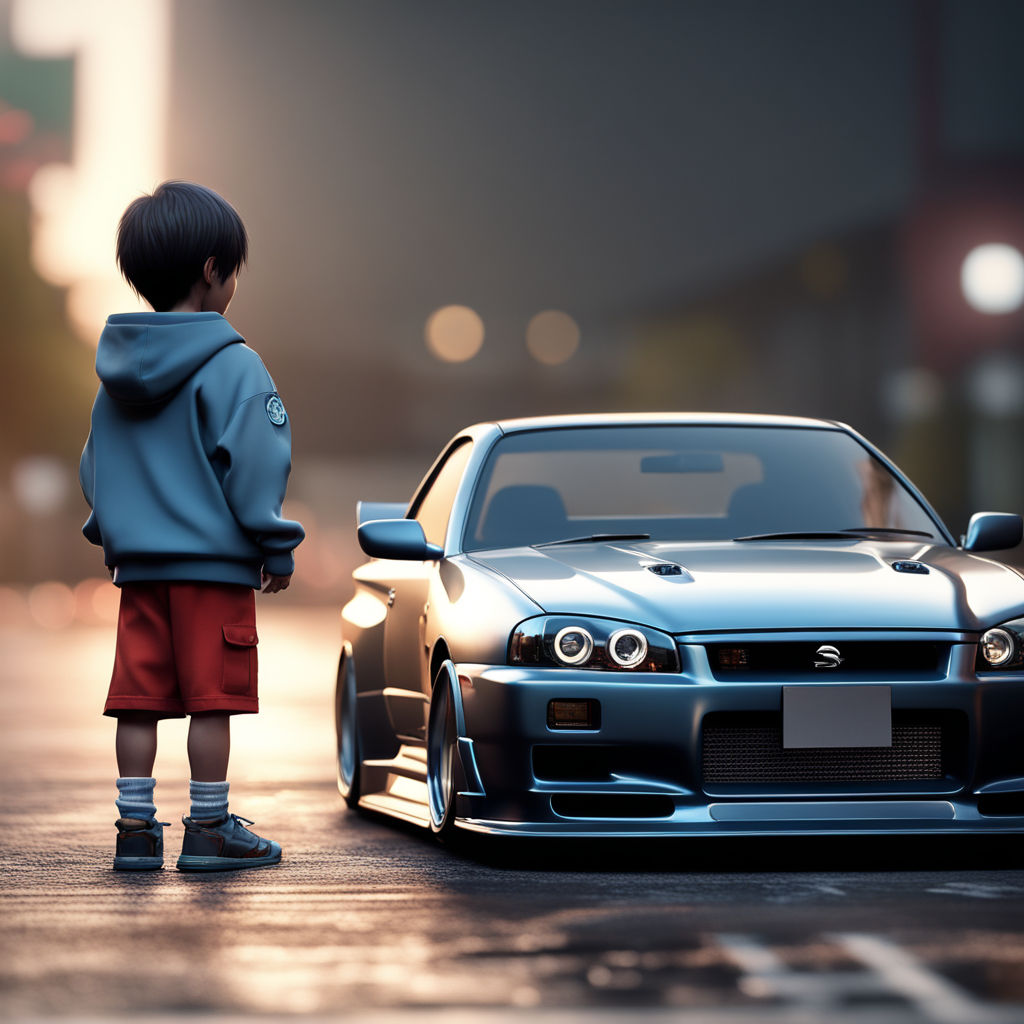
x=405, y=644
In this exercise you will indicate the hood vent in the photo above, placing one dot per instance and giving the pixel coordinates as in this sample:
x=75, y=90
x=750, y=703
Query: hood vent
x=907, y=565
x=668, y=569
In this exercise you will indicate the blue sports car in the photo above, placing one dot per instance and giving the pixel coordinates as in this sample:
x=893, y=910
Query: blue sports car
x=650, y=625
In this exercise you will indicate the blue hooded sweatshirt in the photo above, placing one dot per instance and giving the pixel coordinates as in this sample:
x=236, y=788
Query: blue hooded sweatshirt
x=188, y=458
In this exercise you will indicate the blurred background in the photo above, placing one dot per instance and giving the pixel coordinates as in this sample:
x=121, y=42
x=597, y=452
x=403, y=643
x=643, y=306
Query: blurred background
x=463, y=210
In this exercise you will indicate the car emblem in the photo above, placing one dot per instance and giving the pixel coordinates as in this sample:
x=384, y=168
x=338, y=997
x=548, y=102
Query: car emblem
x=828, y=657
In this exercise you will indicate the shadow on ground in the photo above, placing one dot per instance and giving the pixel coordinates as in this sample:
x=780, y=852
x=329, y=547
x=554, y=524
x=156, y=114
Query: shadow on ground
x=718, y=855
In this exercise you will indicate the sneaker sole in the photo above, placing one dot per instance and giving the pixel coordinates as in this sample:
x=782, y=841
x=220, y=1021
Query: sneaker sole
x=190, y=862
x=138, y=863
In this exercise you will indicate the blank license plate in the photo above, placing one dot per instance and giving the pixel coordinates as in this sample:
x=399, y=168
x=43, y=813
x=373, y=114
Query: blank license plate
x=836, y=716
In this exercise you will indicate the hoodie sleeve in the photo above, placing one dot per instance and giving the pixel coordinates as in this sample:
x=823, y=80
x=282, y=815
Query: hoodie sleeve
x=255, y=453
x=86, y=478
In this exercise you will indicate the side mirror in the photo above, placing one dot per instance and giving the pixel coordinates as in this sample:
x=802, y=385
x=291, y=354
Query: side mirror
x=397, y=538
x=993, y=531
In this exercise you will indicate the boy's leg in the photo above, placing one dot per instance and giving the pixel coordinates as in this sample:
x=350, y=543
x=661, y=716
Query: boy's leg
x=135, y=743
x=139, y=835
x=209, y=745
x=215, y=840
x=215, y=657
x=143, y=689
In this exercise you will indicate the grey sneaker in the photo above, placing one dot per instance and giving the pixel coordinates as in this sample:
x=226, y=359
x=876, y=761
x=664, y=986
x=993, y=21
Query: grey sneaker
x=140, y=844
x=224, y=844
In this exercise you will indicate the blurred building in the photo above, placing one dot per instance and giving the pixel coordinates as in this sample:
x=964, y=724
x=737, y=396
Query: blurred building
x=463, y=211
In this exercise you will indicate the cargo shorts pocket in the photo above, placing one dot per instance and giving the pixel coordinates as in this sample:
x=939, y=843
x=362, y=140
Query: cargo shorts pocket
x=239, y=674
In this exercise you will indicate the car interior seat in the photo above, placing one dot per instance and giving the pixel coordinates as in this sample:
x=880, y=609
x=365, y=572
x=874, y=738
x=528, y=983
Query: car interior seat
x=785, y=507
x=524, y=514
x=760, y=508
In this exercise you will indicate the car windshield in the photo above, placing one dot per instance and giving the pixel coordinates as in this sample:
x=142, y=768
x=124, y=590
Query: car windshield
x=686, y=483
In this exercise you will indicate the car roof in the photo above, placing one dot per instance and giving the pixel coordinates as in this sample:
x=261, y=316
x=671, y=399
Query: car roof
x=511, y=426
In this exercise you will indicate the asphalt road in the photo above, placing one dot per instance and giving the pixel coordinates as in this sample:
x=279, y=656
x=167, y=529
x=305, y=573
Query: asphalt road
x=368, y=920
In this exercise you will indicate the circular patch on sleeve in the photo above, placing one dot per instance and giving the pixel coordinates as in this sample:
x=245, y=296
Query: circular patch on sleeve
x=275, y=411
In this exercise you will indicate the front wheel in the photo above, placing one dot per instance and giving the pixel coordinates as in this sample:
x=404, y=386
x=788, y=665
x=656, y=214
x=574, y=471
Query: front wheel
x=442, y=752
x=347, y=730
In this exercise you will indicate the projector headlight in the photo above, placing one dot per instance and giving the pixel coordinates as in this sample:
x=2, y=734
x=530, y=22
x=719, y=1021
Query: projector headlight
x=573, y=645
x=564, y=641
x=627, y=647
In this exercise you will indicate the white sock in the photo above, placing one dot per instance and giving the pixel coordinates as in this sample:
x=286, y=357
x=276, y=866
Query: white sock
x=209, y=800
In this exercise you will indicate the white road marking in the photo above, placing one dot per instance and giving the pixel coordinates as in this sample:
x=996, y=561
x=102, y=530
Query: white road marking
x=977, y=890
x=889, y=971
x=766, y=976
x=829, y=890
x=936, y=996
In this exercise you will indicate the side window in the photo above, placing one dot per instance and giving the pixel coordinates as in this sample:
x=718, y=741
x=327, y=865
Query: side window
x=435, y=506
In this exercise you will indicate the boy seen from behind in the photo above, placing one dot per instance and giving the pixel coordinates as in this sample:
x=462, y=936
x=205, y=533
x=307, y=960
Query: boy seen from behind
x=185, y=470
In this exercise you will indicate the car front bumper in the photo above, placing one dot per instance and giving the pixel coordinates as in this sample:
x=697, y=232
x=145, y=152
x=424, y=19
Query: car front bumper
x=645, y=770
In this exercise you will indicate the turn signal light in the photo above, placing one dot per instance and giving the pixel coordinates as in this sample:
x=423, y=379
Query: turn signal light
x=733, y=657
x=574, y=714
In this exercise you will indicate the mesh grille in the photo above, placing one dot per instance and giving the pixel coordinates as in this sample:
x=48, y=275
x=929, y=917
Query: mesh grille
x=752, y=752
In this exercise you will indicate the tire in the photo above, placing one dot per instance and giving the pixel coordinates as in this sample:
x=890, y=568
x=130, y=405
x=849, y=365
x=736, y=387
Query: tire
x=443, y=763
x=347, y=731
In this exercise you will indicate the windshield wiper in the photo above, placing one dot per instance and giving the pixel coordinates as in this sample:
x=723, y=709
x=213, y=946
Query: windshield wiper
x=594, y=537
x=870, y=531
x=799, y=535
x=849, y=534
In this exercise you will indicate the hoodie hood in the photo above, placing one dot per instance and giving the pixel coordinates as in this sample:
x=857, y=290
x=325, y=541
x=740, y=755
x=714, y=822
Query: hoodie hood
x=142, y=358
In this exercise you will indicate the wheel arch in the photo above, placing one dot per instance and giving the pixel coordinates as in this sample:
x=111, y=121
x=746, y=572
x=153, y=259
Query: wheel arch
x=438, y=656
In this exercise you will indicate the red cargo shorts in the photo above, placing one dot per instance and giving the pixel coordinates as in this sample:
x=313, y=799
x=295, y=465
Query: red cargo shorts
x=184, y=647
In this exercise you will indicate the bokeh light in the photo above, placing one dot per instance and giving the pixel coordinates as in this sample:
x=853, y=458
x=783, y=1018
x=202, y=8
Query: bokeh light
x=40, y=484
x=52, y=605
x=454, y=333
x=996, y=386
x=912, y=394
x=992, y=278
x=97, y=600
x=15, y=125
x=552, y=337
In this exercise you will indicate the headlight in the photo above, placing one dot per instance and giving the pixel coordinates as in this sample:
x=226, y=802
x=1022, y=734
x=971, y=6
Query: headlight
x=573, y=645
x=1002, y=647
x=563, y=641
x=627, y=647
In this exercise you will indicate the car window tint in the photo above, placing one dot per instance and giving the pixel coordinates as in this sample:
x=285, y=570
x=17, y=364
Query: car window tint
x=683, y=482
x=435, y=506
x=612, y=483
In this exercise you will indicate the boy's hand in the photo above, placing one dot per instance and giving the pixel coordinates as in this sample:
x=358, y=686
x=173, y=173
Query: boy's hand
x=272, y=584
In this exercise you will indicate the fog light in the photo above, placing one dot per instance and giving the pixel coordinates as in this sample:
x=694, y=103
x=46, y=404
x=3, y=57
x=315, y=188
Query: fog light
x=574, y=714
x=627, y=647
x=997, y=647
x=573, y=645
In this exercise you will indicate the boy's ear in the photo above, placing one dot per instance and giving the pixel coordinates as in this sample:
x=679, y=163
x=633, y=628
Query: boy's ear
x=210, y=270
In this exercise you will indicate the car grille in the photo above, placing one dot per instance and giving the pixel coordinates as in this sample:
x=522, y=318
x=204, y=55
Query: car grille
x=866, y=659
x=748, y=749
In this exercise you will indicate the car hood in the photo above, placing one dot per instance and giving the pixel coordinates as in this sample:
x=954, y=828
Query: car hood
x=760, y=585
